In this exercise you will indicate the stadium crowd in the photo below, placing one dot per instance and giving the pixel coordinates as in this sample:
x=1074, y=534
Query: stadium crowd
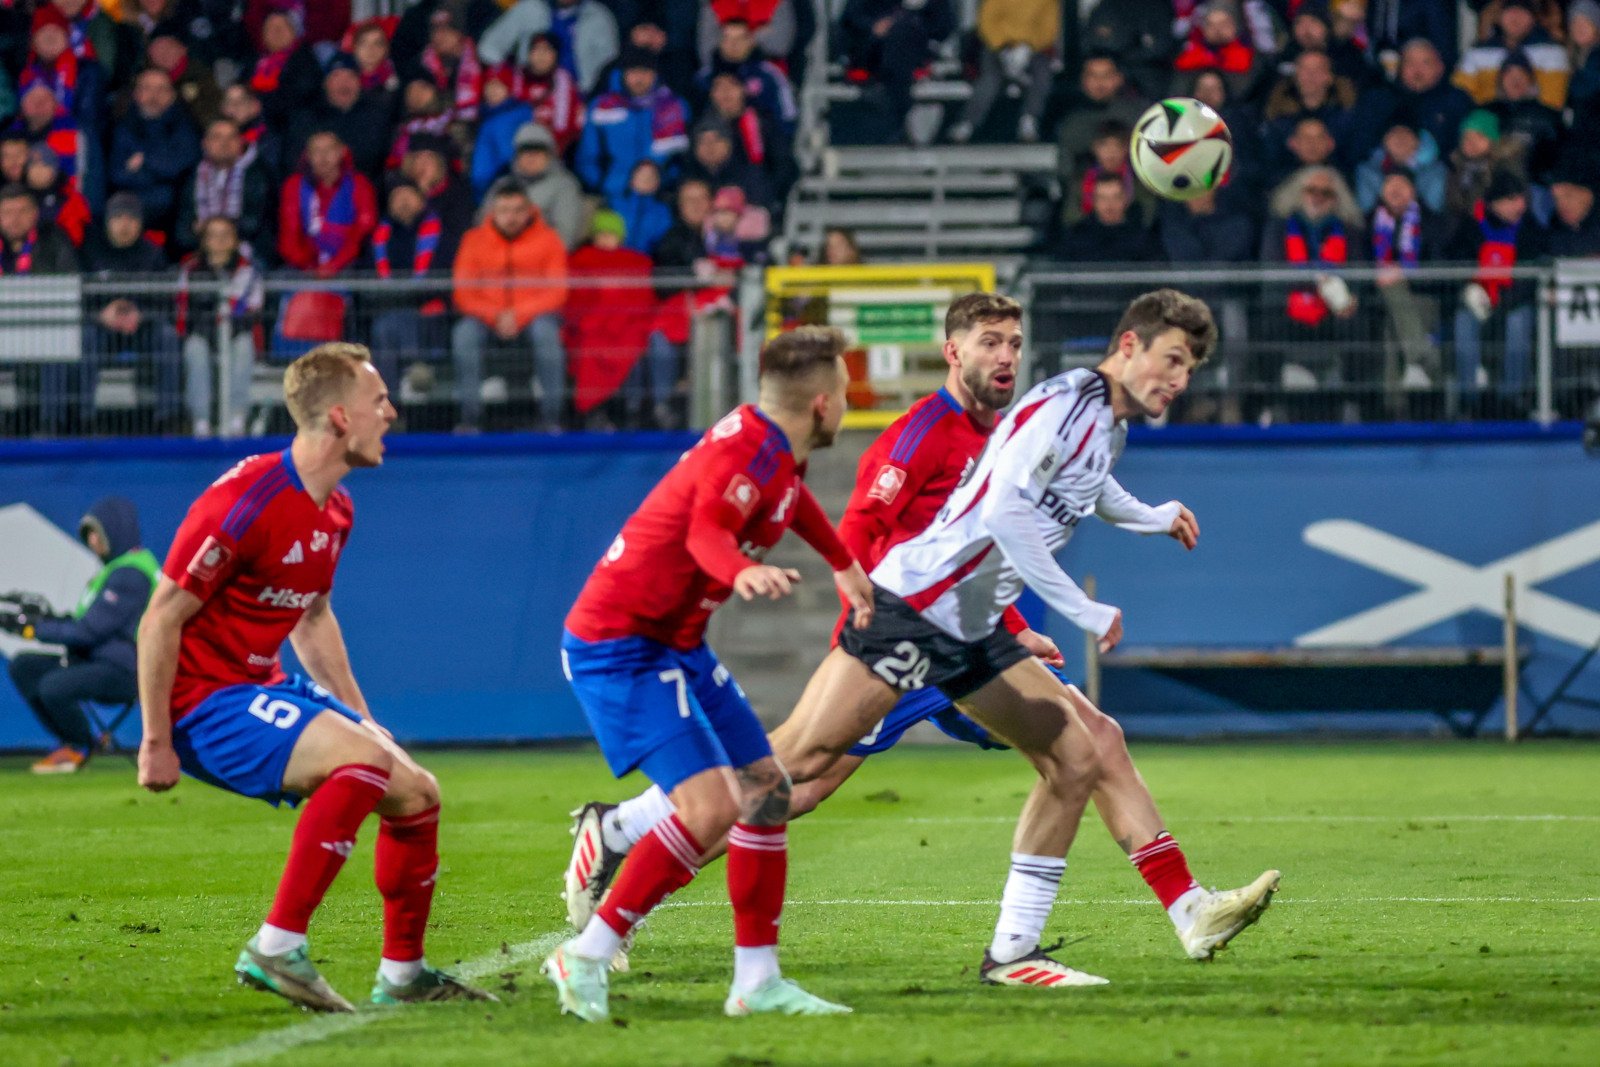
x=503, y=148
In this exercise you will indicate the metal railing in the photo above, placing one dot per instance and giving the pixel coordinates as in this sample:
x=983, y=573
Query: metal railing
x=146, y=355
x=1427, y=344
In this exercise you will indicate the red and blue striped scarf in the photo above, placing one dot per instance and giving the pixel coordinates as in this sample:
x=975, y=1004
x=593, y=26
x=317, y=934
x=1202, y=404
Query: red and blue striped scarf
x=428, y=231
x=78, y=31
x=1497, y=255
x=60, y=77
x=1306, y=306
x=24, y=257
x=328, y=225
x=1398, y=244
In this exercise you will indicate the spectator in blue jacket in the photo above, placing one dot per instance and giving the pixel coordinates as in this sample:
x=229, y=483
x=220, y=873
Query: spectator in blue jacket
x=1405, y=148
x=646, y=217
x=154, y=148
x=644, y=120
x=99, y=634
x=500, y=117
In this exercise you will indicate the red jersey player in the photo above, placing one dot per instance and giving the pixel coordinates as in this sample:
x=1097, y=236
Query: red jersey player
x=251, y=565
x=656, y=697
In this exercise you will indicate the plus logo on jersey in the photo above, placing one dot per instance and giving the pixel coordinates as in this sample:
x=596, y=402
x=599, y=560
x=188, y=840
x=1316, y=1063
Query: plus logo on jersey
x=286, y=598
x=1059, y=509
x=886, y=486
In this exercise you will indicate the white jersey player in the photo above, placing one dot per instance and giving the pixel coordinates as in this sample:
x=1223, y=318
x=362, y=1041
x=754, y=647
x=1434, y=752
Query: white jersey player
x=939, y=597
x=1047, y=467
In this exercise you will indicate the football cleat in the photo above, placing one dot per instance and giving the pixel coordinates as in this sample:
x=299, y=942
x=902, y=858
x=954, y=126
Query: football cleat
x=592, y=866
x=1037, y=969
x=581, y=984
x=430, y=985
x=1220, y=916
x=292, y=976
x=779, y=996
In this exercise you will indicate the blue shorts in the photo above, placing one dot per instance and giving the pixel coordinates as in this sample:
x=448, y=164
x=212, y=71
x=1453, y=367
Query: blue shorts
x=932, y=705
x=667, y=713
x=240, y=738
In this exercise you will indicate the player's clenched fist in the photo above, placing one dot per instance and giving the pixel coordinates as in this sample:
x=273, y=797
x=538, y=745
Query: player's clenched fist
x=158, y=766
x=1185, y=528
x=1042, y=646
x=763, y=579
x=856, y=588
x=1113, y=635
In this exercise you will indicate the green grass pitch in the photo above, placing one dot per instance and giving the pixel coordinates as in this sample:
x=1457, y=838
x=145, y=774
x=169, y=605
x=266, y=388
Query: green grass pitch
x=1440, y=904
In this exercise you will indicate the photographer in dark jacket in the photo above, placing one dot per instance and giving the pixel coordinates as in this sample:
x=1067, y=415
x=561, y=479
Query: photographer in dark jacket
x=99, y=663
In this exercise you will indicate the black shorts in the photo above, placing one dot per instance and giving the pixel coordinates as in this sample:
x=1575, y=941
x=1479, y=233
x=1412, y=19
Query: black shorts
x=909, y=652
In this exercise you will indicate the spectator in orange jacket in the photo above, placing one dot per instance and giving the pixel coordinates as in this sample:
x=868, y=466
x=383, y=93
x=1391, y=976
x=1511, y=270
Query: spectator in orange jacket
x=326, y=210
x=510, y=281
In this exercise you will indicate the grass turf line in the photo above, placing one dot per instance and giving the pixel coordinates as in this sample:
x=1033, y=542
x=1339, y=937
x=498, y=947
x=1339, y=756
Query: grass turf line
x=1432, y=930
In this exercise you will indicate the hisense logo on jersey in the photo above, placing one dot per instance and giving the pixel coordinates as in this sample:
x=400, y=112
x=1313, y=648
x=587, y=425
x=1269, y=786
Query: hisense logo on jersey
x=286, y=598
x=1059, y=509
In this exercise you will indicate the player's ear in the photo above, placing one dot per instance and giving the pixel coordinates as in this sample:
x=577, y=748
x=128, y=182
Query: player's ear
x=339, y=419
x=951, y=348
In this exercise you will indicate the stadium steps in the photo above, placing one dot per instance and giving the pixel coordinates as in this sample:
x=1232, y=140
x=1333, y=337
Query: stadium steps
x=937, y=202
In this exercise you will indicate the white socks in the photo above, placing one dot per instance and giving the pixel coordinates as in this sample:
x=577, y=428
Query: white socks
x=597, y=942
x=399, y=972
x=632, y=819
x=1182, y=910
x=752, y=966
x=1025, y=905
x=275, y=940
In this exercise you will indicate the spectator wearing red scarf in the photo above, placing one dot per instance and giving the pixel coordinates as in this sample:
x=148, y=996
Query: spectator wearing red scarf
x=60, y=203
x=287, y=77
x=1499, y=235
x=318, y=20
x=552, y=91
x=1218, y=42
x=78, y=85
x=326, y=210
x=758, y=139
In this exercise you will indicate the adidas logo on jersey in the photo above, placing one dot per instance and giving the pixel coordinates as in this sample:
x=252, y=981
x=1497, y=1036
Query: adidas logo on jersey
x=286, y=598
x=295, y=554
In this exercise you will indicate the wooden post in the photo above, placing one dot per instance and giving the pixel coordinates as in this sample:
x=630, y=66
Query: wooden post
x=1511, y=657
x=1091, y=654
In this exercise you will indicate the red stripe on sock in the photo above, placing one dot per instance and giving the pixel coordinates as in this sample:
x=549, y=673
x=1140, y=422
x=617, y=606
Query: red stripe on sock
x=1164, y=869
x=655, y=868
x=758, y=868
x=406, y=866
x=323, y=840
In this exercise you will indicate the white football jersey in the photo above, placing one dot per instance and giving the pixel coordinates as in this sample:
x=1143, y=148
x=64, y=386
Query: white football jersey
x=1047, y=465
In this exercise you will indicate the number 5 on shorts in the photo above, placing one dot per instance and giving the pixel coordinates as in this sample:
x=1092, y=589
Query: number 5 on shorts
x=279, y=713
x=675, y=677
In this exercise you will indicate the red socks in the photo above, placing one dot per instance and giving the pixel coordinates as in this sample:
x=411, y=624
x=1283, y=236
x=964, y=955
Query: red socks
x=323, y=840
x=664, y=861
x=407, y=867
x=758, y=865
x=1164, y=869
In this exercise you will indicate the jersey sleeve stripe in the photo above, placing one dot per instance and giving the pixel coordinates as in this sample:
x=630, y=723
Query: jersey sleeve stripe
x=1024, y=415
x=764, y=464
x=920, y=601
x=267, y=485
x=911, y=436
x=249, y=509
x=1089, y=396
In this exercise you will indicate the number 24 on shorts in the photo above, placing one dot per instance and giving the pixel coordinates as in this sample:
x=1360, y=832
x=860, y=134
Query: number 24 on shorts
x=906, y=670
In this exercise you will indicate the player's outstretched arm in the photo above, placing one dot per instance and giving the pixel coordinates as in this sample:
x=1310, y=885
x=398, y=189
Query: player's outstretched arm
x=1127, y=512
x=159, y=633
x=319, y=643
x=1008, y=516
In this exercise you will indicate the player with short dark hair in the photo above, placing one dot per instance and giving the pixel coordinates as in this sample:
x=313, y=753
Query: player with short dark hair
x=659, y=702
x=941, y=595
x=251, y=565
x=902, y=480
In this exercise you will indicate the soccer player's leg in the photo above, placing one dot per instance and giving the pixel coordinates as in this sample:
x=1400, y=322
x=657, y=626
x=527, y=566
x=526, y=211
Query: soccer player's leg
x=245, y=739
x=640, y=702
x=1205, y=920
x=758, y=848
x=840, y=705
x=1025, y=707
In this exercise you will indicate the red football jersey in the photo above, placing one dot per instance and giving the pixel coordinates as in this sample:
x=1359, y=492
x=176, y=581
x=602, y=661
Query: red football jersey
x=720, y=509
x=257, y=549
x=905, y=476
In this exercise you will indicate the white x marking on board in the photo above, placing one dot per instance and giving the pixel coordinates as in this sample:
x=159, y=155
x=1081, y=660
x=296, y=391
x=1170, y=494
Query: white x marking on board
x=1450, y=587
